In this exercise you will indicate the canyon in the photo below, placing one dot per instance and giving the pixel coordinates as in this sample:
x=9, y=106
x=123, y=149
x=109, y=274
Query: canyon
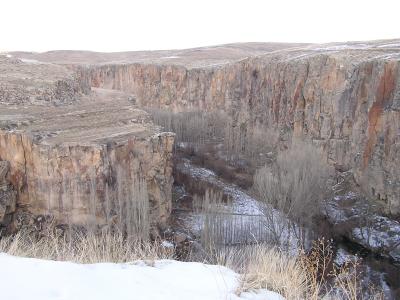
x=71, y=121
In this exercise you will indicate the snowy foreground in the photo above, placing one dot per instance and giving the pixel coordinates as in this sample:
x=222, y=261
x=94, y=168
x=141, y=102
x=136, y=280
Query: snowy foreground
x=28, y=278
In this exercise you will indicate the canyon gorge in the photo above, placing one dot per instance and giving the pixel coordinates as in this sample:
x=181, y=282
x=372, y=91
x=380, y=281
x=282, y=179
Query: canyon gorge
x=71, y=121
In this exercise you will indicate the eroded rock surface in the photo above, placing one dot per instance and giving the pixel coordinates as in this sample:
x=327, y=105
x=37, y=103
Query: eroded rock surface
x=7, y=196
x=345, y=96
x=76, y=162
x=24, y=81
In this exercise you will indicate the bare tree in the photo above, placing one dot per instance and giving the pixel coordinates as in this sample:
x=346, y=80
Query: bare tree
x=214, y=212
x=296, y=186
x=253, y=144
x=194, y=127
x=133, y=205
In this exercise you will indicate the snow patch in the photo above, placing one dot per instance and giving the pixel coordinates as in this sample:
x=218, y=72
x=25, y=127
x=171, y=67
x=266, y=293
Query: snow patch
x=341, y=47
x=30, y=61
x=389, y=45
x=34, y=279
x=379, y=234
x=167, y=244
x=343, y=257
x=169, y=57
x=247, y=214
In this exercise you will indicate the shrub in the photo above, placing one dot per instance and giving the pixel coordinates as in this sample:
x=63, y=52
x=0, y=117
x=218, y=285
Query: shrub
x=296, y=185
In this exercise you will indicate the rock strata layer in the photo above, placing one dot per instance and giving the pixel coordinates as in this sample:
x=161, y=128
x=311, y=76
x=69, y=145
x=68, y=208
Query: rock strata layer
x=345, y=97
x=84, y=163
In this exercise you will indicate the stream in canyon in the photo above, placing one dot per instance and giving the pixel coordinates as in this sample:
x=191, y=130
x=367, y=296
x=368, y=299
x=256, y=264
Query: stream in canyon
x=247, y=225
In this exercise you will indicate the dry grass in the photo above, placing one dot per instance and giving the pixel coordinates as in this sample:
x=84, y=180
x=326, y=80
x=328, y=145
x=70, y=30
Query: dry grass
x=262, y=267
x=83, y=248
x=348, y=284
x=272, y=269
x=310, y=276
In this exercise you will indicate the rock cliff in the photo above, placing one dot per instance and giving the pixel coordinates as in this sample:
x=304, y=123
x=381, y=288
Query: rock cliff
x=83, y=161
x=344, y=96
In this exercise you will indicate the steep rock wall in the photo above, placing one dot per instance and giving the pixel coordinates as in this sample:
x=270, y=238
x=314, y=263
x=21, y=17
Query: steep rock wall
x=347, y=102
x=88, y=163
x=81, y=185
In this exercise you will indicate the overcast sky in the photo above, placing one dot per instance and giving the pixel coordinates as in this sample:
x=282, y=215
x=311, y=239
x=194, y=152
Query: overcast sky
x=120, y=25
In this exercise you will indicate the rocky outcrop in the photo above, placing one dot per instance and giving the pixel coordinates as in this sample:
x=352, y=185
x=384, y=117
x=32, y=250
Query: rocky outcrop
x=7, y=196
x=25, y=81
x=85, y=164
x=345, y=97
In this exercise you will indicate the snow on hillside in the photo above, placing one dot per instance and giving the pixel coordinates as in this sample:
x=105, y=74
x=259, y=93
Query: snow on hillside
x=34, y=279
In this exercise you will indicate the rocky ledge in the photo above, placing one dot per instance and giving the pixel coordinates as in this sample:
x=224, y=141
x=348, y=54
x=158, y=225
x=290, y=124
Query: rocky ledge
x=81, y=163
x=28, y=81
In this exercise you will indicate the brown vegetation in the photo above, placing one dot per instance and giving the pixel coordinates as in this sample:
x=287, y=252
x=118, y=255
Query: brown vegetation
x=296, y=185
x=105, y=246
x=194, y=127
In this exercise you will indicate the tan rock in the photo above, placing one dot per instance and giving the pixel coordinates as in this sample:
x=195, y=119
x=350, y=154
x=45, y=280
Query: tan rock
x=75, y=162
x=346, y=97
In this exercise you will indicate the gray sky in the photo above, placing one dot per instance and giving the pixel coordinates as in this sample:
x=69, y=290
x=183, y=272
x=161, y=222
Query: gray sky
x=120, y=25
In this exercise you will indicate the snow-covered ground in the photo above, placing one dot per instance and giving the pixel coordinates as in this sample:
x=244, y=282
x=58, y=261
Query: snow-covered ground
x=369, y=275
x=250, y=220
x=390, y=45
x=242, y=203
x=28, y=278
x=30, y=61
x=372, y=231
x=341, y=47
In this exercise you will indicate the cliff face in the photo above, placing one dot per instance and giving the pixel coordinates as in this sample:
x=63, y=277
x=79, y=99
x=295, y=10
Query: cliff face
x=345, y=97
x=82, y=185
x=86, y=163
